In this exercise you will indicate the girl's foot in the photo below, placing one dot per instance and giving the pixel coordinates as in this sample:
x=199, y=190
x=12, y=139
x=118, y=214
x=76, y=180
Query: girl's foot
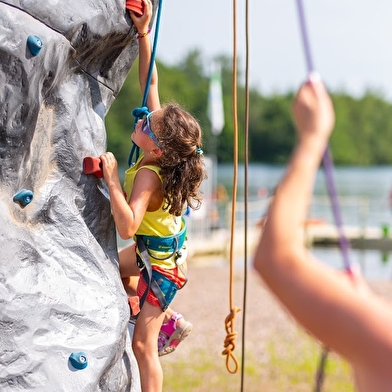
x=172, y=333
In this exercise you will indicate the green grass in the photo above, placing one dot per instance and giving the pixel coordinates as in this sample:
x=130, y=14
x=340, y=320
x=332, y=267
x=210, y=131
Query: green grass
x=287, y=365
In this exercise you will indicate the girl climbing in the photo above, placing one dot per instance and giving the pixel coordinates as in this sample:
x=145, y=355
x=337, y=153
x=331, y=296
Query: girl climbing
x=164, y=180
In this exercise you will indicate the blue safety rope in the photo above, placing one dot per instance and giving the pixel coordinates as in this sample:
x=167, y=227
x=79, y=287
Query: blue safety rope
x=328, y=169
x=138, y=113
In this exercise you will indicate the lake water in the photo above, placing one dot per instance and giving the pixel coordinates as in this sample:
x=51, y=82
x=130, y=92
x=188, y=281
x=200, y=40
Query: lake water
x=364, y=199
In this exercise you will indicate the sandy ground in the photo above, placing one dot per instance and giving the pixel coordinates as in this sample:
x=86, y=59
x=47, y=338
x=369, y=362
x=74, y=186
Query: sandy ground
x=204, y=301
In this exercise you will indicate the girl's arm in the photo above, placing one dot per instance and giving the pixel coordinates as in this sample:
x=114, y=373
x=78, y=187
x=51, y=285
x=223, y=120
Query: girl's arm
x=335, y=307
x=146, y=194
x=142, y=25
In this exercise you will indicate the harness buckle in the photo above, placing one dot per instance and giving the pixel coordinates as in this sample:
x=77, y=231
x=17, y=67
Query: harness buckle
x=140, y=262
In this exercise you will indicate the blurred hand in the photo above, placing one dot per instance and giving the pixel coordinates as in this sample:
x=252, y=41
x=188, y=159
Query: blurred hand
x=355, y=276
x=313, y=111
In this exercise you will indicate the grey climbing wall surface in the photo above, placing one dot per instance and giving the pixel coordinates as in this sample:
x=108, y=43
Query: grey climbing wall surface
x=63, y=311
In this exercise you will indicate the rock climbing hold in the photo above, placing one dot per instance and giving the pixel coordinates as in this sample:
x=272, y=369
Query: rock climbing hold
x=78, y=360
x=134, y=305
x=23, y=197
x=93, y=165
x=35, y=44
x=136, y=6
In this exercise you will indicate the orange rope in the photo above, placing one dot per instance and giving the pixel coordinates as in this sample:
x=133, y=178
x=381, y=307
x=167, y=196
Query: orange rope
x=229, y=342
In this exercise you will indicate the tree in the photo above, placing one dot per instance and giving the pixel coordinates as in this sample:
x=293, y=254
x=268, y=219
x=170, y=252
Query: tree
x=362, y=136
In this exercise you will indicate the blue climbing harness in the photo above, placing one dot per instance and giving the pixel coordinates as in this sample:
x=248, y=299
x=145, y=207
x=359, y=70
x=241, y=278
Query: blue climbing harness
x=169, y=244
x=172, y=244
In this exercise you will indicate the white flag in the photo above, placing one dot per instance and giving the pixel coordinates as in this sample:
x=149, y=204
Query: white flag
x=215, y=101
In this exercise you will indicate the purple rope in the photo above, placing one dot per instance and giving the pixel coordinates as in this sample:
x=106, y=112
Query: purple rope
x=304, y=34
x=328, y=169
x=327, y=159
x=344, y=244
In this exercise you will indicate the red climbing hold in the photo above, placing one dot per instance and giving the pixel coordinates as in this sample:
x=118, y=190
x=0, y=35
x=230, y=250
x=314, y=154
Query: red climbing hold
x=135, y=6
x=93, y=165
x=134, y=305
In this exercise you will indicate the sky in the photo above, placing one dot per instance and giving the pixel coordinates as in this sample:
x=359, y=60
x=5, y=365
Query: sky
x=350, y=40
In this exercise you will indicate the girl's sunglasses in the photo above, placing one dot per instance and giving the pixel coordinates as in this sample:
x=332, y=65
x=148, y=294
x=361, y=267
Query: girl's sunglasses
x=146, y=129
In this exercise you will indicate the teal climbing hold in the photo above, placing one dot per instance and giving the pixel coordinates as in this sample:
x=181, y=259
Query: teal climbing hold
x=23, y=197
x=35, y=44
x=78, y=360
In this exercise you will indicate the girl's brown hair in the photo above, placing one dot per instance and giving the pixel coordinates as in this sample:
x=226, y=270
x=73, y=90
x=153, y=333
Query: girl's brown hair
x=182, y=165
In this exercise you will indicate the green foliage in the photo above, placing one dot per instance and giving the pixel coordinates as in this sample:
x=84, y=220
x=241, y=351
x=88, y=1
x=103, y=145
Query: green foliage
x=271, y=131
x=363, y=132
x=362, y=136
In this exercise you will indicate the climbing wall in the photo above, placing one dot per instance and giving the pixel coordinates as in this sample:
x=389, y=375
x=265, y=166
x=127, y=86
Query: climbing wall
x=63, y=311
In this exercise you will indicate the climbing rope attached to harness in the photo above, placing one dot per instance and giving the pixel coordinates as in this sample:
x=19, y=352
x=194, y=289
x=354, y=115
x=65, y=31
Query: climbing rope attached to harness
x=138, y=113
x=328, y=169
x=144, y=261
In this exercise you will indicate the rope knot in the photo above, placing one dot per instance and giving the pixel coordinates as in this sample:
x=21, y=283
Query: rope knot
x=138, y=113
x=229, y=342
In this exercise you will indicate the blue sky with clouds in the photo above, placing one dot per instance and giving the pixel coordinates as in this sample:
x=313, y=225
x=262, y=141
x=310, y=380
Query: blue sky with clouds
x=350, y=40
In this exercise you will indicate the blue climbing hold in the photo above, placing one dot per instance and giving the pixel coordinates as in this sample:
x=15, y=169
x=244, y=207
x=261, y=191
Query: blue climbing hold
x=78, y=360
x=24, y=197
x=35, y=44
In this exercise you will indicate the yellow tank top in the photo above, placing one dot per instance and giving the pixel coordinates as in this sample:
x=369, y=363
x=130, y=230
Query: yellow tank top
x=157, y=223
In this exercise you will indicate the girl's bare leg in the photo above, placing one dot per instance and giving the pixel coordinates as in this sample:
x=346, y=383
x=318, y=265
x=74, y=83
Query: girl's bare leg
x=128, y=266
x=144, y=346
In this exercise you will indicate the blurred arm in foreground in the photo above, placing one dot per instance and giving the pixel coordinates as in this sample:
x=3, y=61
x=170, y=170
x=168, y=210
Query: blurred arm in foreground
x=337, y=308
